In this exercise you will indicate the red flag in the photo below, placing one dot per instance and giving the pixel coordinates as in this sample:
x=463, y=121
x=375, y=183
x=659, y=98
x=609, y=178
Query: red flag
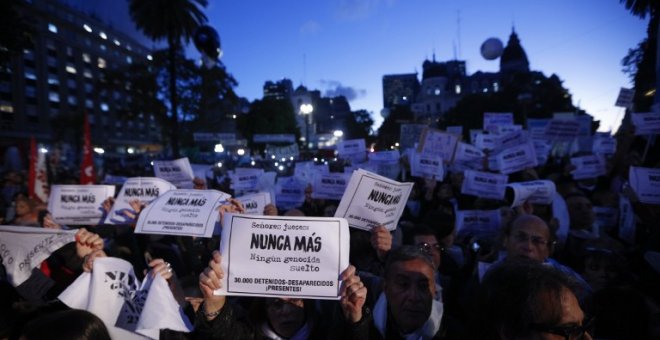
x=38, y=176
x=87, y=175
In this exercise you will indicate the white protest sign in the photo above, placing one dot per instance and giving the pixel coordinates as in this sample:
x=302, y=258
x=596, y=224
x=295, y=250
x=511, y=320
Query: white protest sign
x=516, y=158
x=466, y=153
x=78, y=204
x=484, y=184
x=410, y=134
x=627, y=222
x=536, y=127
x=298, y=257
x=606, y=217
x=254, y=204
x=330, y=186
x=178, y=172
x=455, y=130
x=143, y=189
x=473, y=135
x=542, y=149
x=183, y=212
x=590, y=166
x=371, y=200
x=290, y=192
x=303, y=170
x=485, y=141
x=127, y=307
x=536, y=192
x=24, y=248
x=350, y=147
x=428, y=166
x=246, y=179
x=561, y=129
x=585, y=125
x=504, y=129
x=604, y=145
x=625, y=98
x=384, y=163
x=438, y=143
x=477, y=220
x=646, y=123
x=494, y=119
x=645, y=182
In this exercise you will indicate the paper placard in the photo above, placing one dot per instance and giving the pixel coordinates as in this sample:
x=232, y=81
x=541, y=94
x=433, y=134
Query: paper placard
x=289, y=192
x=590, y=166
x=646, y=123
x=254, y=204
x=536, y=192
x=484, y=184
x=246, y=179
x=604, y=145
x=466, y=153
x=428, y=166
x=143, y=189
x=330, y=186
x=485, y=141
x=351, y=146
x=178, y=172
x=494, y=119
x=516, y=158
x=78, y=204
x=542, y=149
x=182, y=212
x=561, y=130
x=478, y=221
x=300, y=257
x=455, y=130
x=645, y=182
x=371, y=200
x=441, y=144
x=536, y=127
x=504, y=129
x=24, y=248
x=410, y=134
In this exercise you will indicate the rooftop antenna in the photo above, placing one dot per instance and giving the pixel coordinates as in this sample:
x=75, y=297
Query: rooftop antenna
x=304, y=80
x=458, y=31
x=454, y=44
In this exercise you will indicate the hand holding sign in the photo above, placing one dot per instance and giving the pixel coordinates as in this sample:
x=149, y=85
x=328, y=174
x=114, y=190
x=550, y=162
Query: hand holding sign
x=87, y=242
x=381, y=241
x=353, y=295
x=209, y=281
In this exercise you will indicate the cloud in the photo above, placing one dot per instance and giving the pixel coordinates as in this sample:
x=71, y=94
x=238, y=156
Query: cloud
x=310, y=27
x=334, y=88
x=351, y=10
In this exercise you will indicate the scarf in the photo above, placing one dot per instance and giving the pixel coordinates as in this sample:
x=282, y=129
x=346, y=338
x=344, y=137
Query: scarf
x=302, y=334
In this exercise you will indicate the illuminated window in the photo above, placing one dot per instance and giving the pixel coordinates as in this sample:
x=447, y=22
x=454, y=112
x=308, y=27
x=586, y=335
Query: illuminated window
x=72, y=100
x=86, y=58
x=71, y=69
x=129, y=59
x=52, y=28
x=54, y=97
x=6, y=107
x=89, y=103
x=87, y=73
x=149, y=57
x=87, y=28
x=101, y=63
x=496, y=87
x=104, y=107
x=53, y=80
x=102, y=35
x=458, y=89
x=117, y=42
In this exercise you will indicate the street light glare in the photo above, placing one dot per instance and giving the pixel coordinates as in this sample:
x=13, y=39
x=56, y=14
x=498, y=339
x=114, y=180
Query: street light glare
x=338, y=133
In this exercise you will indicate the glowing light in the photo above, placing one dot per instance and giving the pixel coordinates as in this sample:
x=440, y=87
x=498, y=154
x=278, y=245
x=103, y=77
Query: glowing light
x=99, y=151
x=240, y=152
x=219, y=148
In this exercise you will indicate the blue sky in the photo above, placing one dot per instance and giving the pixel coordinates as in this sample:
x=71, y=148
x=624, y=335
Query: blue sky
x=346, y=46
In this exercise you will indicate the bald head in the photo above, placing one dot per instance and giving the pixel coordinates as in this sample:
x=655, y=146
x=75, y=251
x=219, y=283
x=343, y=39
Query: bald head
x=529, y=237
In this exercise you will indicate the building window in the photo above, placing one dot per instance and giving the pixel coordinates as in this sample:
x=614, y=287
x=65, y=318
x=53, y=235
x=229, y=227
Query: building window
x=103, y=47
x=88, y=73
x=496, y=87
x=29, y=74
x=87, y=28
x=53, y=80
x=101, y=63
x=89, y=88
x=72, y=100
x=117, y=42
x=54, y=97
x=71, y=69
x=129, y=59
x=6, y=107
x=30, y=91
x=104, y=107
x=458, y=89
x=86, y=58
x=52, y=28
x=89, y=103
x=71, y=83
x=102, y=35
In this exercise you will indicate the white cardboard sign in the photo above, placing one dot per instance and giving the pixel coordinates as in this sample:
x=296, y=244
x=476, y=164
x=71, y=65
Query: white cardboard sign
x=143, y=189
x=183, y=212
x=330, y=186
x=467, y=153
x=78, y=204
x=425, y=165
x=254, y=204
x=536, y=192
x=178, y=172
x=371, y=200
x=351, y=146
x=562, y=129
x=283, y=256
x=516, y=158
x=494, y=119
x=646, y=123
x=477, y=220
x=438, y=143
x=645, y=182
x=590, y=166
x=484, y=184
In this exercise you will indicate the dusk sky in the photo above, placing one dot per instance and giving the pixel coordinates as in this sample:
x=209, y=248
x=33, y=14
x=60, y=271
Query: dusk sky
x=346, y=46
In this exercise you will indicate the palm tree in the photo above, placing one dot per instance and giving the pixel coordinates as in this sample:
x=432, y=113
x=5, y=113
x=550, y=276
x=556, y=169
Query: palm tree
x=176, y=21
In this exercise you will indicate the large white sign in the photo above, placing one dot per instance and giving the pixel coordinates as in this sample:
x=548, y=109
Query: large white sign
x=290, y=192
x=467, y=153
x=283, y=153
x=494, y=119
x=410, y=134
x=330, y=186
x=283, y=256
x=425, y=165
x=435, y=142
x=484, y=184
x=127, y=306
x=78, y=204
x=245, y=179
x=536, y=192
x=143, y=189
x=486, y=221
x=646, y=123
x=178, y=172
x=371, y=200
x=23, y=248
x=254, y=204
x=562, y=129
x=517, y=158
x=350, y=147
x=645, y=182
x=184, y=212
x=590, y=166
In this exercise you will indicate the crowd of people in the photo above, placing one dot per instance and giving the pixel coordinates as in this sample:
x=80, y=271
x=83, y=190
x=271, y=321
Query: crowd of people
x=424, y=280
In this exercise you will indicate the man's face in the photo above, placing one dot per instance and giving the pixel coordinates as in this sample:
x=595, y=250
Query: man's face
x=286, y=316
x=410, y=289
x=429, y=244
x=581, y=212
x=571, y=317
x=529, y=239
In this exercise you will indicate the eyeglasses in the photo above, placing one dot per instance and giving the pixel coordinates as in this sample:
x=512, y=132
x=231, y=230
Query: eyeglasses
x=537, y=241
x=574, y=332
x=428, y=248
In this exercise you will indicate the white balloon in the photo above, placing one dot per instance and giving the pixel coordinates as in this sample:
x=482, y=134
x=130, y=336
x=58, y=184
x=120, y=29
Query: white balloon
x=492, y=48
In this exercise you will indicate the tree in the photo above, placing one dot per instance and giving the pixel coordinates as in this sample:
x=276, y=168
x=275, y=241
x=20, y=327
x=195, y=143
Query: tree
x=175, y=21
x=269, y=116
x=358, y=125
x=389, y=131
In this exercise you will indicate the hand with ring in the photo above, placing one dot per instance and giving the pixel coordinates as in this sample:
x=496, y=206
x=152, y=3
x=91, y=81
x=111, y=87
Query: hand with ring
x=162, y=268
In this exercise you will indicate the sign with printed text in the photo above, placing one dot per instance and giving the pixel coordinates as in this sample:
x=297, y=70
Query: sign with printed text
x=485, y=141
x=590, y=166
x=24, y=248
x=245, y=179
x=410, y=134
x=484, y=184
x=329, y=186
x=182, y=212
x=78, y=204
x=536, y=192
x=254, y=204
x=455, y=130
x=142, y=189
x=270, y=256
x=466, y=153
x=289, y=192
x=606, y=217
x=494, y=119
x=425, y=165
x=536, y=127
x=561, y=130
x=178, y=172
x=604, y=145
x=516, y=158
x=625, y=98
x=351, y=146
x=645, y=182
x=477, y=220
x=646, y=123
x=435, y=142
x=371, y=200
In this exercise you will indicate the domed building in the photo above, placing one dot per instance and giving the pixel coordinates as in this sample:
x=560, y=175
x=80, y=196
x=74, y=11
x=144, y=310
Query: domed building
x=514, y=58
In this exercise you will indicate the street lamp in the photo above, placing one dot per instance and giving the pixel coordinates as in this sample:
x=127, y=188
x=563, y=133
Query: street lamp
x=306, y=110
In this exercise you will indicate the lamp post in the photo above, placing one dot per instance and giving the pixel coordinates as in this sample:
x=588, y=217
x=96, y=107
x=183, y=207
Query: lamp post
x=306, y=110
